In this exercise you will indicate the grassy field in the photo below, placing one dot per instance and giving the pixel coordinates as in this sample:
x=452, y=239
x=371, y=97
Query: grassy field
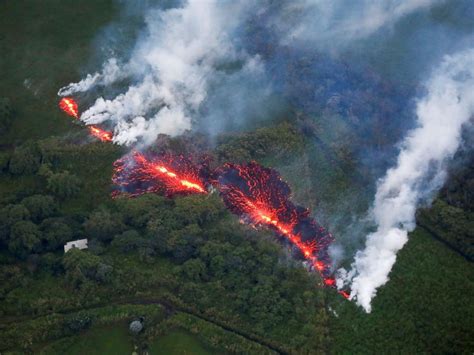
x=110, y=340
x=177, y=343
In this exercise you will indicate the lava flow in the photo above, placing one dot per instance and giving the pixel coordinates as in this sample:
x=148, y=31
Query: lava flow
x=104, y=136
x=69, y=106
x=260, y=197
x=166, y=174
x=255, y=193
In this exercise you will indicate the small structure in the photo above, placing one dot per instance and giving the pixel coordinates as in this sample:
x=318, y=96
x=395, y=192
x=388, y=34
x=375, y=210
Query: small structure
x=79, y=244
x=136, y=326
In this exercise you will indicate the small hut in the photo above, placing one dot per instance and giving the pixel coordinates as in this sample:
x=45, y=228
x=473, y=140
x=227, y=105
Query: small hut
x=79, y=244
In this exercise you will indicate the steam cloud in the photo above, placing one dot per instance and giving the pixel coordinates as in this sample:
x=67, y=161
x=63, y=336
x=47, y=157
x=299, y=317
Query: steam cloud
x=172, y=67
x=184, y=53
x=448, y=105
x=110, y=73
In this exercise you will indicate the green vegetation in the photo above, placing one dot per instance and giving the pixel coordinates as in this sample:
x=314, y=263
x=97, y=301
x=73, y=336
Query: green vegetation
x=193, y=260
x=31, y=334
x=177, y=343
x=278, y=141
x=210, y=335
x=451, y=224
x=426, y=306
x=99, y=341
x=6, y=114
x=233, y=287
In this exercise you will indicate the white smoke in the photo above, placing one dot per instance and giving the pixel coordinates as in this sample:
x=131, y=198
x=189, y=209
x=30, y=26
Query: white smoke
x=172, y=69
x=110, y=73
x=419, y=172
x=334, y=23
x=185, y=51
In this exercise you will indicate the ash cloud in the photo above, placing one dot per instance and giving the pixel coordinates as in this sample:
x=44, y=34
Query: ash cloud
x=420, y=172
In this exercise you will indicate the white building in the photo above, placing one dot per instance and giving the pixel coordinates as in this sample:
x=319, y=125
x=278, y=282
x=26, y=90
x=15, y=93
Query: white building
x=79, y=244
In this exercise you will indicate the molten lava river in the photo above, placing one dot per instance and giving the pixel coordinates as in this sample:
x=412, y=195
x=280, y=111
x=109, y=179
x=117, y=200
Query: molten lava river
x=70, y=107
x=256, y=194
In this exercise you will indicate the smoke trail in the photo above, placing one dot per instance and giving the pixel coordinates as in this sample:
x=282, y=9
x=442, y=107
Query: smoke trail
x=420, y=171
x=110, y=73
x=183, y=52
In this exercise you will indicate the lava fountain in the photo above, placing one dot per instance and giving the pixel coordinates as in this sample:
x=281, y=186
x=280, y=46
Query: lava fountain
x=69, y=106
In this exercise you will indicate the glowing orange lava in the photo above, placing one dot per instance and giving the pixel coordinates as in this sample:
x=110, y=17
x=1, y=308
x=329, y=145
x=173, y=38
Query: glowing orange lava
x=166, y=174
x=104, y=136
x=261, y=197
x=69, y=106
x=262, y=217
x=159, y=169
x=345, y=294
x=307, y=249
x=255, y=193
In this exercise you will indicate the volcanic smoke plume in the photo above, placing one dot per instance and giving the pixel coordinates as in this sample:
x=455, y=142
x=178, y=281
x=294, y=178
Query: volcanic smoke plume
x=418, y=174
x=260, y=197
x=339, y=22
x=190, y=65
x=166, y=174
x=181, y=54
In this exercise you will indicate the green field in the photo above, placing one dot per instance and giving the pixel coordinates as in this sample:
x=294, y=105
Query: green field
x=97, y=341
x=115, y=340
x=177, y=343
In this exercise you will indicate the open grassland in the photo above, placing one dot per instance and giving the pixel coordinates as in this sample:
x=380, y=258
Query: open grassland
x=177, y=343
x=109, y=340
